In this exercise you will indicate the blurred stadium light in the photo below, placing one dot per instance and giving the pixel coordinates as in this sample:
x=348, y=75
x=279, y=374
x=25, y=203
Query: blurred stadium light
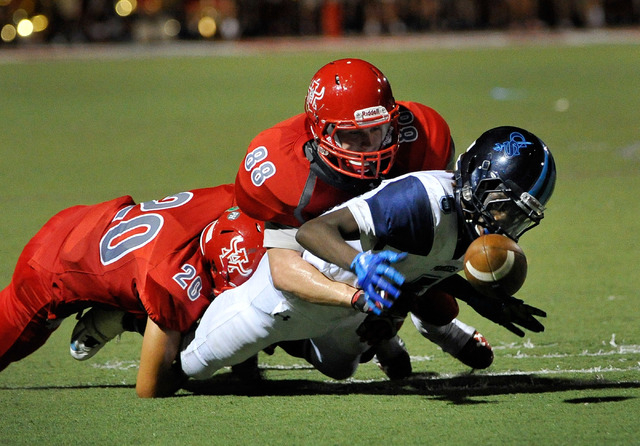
x=24, y=21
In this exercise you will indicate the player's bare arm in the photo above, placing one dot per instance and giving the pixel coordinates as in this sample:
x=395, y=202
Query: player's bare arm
x=156, y=376
x=292, y=274
x=325, y=237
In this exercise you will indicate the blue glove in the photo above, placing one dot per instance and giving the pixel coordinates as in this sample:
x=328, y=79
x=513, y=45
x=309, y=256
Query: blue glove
x=375, y=273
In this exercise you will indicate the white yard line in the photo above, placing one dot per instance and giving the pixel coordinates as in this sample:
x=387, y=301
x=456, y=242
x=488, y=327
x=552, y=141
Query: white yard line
x=622, y=350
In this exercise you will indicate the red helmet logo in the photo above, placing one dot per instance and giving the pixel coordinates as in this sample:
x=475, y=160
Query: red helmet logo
x=236, y=258
x=232, y=245
x=316, y=93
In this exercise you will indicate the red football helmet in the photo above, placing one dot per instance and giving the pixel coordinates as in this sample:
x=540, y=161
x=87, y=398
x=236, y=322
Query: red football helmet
x=350, y=94
x=232, y=245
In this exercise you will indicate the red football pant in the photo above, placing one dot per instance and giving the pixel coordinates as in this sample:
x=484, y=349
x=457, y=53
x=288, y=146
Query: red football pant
x=26, y=302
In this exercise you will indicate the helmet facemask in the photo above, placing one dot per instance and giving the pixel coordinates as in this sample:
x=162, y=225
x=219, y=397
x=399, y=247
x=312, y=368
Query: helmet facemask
x=360, y=164
x=501, y=207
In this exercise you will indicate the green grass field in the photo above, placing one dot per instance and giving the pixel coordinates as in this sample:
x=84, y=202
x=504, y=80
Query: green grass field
x=87, y=129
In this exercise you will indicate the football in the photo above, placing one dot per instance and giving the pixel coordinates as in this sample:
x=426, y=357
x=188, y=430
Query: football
x=494, y=265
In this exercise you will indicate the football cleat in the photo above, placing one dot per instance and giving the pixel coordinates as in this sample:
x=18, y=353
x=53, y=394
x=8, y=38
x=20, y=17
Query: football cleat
x=94, y=329
x=460, y=340
x=476, y=353
x=393, y=358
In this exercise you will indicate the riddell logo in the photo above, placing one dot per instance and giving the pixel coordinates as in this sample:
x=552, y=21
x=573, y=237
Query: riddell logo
x=371, y=114
x=235, y=258
x=315, y=94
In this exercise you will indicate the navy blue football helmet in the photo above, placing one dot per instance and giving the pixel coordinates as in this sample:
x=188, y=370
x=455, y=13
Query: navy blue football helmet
x=504, y=180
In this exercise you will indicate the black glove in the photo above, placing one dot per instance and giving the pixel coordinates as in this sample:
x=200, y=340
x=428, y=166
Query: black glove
x=504, y=310
x=507, y=311
x=377, y=328
x=361, y=302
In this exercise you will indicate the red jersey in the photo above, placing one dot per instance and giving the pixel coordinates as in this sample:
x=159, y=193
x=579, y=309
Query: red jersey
x=141, y=258
x=281, y=181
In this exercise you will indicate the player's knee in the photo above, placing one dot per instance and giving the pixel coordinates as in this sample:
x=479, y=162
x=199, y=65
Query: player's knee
x=435, y=307
x=335, y=366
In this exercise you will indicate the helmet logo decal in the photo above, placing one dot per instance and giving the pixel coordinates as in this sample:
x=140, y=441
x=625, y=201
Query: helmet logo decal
x=314, y=94
x=513, y=146
x=236, y=258
x=371, y=115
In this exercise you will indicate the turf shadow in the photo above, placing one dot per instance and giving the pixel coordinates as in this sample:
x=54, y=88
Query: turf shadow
x=74, y=387
x=459, y=389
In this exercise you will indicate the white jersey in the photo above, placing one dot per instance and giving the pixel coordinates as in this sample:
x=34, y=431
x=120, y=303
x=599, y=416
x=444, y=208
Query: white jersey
x=399, y=216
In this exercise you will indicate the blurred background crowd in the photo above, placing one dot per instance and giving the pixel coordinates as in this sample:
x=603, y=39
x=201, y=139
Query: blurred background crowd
x=61, y=21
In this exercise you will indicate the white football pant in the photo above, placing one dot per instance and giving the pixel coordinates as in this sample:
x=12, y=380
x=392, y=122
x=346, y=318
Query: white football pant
x=242, y=321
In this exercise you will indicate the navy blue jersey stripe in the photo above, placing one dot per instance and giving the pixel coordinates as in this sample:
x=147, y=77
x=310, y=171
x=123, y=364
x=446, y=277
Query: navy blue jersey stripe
x=402, y=216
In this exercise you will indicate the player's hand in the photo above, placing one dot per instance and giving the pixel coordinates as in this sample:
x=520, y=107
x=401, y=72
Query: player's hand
x=375, y=328
x=375, y=274
x=509, y=312
x=360, y=302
